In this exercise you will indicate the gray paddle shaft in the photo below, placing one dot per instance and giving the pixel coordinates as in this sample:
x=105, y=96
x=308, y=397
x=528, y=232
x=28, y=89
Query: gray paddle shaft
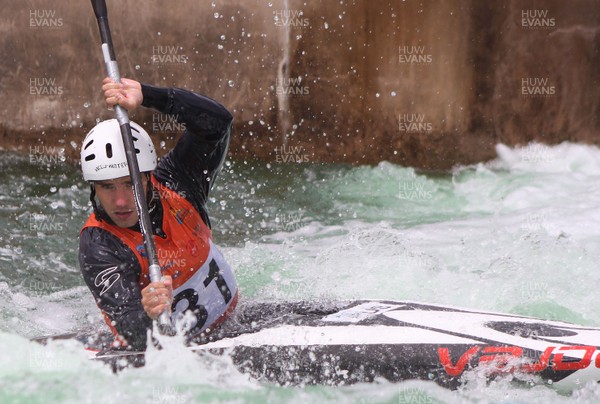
x=164, y=322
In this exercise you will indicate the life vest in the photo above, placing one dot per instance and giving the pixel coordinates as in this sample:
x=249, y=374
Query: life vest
x=203, y=282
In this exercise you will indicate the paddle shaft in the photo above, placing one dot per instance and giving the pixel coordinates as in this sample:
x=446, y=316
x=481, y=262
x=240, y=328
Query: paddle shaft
x=134, y=171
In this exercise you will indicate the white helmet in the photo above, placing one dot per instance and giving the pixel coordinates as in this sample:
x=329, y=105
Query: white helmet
x=103, y=155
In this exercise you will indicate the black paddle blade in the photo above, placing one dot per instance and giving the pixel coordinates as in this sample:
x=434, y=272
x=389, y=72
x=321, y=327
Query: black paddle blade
x=100, y=8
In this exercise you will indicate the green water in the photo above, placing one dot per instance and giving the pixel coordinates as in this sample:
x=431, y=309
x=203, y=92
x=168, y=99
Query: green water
x=517, y=235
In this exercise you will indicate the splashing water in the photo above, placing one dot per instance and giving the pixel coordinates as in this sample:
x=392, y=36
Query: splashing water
x=518, y=234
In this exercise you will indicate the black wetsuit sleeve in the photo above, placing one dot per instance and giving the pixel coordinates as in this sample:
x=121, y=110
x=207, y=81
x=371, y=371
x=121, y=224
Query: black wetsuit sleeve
x=111, y=271
x=195, y=162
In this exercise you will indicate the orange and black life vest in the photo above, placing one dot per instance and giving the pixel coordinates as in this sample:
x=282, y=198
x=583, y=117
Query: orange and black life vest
x=203, y=282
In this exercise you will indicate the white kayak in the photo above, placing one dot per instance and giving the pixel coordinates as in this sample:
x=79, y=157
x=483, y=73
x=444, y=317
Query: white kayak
x=298, y=343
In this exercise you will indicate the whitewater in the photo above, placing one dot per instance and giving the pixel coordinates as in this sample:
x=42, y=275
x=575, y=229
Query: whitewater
x=519, y=234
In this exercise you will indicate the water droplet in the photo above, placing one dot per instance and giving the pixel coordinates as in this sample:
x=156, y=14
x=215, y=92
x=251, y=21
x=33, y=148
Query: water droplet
x=393, y=93
x=377, y=95
x=216, y=15
x=230, y=83
x=326, y=25
x=86, y=104
x=52, y=189
x=222, y=37
x=137, y=67
x=219, y=46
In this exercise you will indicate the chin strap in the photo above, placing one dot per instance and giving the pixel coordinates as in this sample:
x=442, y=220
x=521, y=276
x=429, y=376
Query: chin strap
x=100, y=214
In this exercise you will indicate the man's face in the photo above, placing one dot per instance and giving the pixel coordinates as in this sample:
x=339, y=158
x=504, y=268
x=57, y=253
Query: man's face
x=116, y=197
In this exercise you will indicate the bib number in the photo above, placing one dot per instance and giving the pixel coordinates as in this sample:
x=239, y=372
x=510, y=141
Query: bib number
x=191, y=295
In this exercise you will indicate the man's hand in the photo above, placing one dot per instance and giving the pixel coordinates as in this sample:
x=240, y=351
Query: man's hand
x=157, y=297
x=127, y=94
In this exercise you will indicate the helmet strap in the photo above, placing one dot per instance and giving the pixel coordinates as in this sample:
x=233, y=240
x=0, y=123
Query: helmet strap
x=98, y=210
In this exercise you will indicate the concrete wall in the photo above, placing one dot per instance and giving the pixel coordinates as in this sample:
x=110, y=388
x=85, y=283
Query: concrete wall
x=426, y=84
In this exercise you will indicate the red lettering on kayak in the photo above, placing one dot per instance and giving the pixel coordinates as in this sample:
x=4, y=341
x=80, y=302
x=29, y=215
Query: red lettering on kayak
x=573, y=365
x=456, y=370
x=501, y=355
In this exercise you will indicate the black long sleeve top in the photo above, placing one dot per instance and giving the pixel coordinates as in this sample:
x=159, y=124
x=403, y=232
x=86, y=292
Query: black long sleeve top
x=190, y=169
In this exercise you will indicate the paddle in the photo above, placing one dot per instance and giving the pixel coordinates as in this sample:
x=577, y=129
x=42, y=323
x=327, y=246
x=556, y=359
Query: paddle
x=164, y=323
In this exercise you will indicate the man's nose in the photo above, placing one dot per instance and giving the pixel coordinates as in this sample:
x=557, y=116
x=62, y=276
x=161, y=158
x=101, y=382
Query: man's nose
x=123, y=196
